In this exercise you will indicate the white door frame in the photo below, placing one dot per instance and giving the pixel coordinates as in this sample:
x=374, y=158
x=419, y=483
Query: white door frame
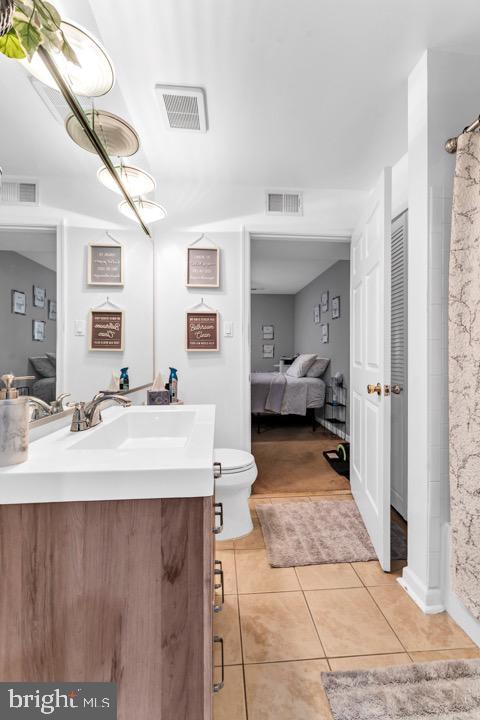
x=273, y=233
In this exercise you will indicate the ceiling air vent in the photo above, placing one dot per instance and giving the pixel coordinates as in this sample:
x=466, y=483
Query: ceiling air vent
x=283, y=203
x=55, y=101
x=14, y=191
x=183, y=108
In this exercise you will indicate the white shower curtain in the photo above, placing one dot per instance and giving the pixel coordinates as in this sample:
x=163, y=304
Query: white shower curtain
x=464, y=373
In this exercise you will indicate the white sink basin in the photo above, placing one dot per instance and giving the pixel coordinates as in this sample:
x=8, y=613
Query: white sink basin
x=152, y=430
x=136, y=452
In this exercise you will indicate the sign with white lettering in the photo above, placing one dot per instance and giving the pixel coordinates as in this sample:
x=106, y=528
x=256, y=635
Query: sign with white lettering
x=105, y=264
x=202, y=331
x=203, y=267
x=106, y=330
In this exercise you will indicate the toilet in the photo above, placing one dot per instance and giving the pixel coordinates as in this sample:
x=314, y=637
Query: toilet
x=232, y=489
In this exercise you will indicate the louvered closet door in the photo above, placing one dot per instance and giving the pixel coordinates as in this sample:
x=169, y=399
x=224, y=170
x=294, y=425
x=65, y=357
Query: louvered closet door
x=399, y=363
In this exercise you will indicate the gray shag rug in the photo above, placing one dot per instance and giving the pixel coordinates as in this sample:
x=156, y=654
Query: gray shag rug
x=429, y=691
x=319, y=532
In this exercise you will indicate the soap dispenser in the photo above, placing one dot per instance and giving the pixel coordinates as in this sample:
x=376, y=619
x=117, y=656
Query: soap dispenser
x=14, y=417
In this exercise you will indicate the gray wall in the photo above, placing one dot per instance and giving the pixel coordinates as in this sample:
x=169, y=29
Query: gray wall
x=16, y=345
x=276, y=310
x=307, y=334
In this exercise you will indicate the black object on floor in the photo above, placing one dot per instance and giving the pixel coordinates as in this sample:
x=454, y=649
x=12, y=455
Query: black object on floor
x=341, y=467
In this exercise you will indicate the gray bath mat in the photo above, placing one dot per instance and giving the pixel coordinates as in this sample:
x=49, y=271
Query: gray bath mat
x=318, y=532
x=430, y=691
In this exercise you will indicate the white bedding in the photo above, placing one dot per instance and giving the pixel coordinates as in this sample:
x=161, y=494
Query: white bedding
x=301, y=394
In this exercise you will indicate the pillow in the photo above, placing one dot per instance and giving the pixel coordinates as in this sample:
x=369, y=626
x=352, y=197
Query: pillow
x=43, y=366
x=318, y=368
x=52, y=357
x=300, y=366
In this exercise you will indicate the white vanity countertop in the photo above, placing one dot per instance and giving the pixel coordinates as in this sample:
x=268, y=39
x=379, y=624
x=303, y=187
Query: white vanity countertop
x=136, y=452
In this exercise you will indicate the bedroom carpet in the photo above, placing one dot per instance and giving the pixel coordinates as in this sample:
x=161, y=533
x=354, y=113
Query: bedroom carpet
x=428, y=691
x=295, y=466
x=319, y=532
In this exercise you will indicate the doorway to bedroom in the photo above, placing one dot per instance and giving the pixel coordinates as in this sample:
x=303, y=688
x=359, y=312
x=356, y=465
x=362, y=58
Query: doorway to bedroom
x=300, y=362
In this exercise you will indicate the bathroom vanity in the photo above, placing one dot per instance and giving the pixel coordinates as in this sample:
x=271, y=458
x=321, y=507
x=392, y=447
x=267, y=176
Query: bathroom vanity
x=107, y=555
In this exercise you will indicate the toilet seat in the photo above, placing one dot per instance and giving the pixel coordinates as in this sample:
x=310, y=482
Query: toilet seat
x=234, y=461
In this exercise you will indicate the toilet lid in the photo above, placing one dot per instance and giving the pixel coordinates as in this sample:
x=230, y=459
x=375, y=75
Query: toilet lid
x=234, y=460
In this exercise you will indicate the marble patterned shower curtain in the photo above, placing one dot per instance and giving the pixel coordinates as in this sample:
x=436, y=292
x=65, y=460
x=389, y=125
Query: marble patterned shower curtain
x=464, y=373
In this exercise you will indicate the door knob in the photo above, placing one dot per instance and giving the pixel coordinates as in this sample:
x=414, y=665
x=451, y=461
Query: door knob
x=374, y=389
x=396, y=389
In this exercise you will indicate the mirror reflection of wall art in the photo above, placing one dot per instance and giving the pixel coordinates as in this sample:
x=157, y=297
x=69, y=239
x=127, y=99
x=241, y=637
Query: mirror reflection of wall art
x=19, y=302
x=316, y=314
x=203, y=267
x=106, y=330
x=324, y=332
x=105, y=264
x=324, y=301
x=39, y=296
x=38, y=330
x=268, y=351
x=52, y=309
x=268, y=332
x=335, y=307
x=202, y=331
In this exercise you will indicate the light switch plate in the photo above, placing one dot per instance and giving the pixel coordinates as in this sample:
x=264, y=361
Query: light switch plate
x=228, y=328
x=79, y=327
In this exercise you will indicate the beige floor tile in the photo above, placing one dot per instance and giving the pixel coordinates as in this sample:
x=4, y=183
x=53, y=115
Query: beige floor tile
x=365, y=662
x=349, y=623
x=224, y=544
x=322, y=577
x=254, y=574
x=229, y=573
x=416, y=630
x=287, y=691
x=227, y=624
x=459, y=654
x=371, y=573
x=343, y=495
x=229, y=703
x=254, y=540
x=277, y=626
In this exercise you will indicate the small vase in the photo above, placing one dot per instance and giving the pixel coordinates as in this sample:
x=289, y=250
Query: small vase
x=6, y=16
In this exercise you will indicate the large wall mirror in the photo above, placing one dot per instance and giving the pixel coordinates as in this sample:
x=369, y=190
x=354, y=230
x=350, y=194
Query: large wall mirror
x=28, y=311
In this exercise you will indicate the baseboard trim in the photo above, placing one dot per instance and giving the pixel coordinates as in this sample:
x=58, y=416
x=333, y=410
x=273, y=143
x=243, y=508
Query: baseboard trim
x=455, y=607
x=429, y=601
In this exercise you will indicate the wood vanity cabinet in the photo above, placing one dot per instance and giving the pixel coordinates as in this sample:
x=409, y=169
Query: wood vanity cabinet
x=112, y=591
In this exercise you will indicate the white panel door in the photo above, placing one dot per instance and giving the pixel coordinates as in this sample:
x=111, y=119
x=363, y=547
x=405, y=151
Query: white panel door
x=370, y=367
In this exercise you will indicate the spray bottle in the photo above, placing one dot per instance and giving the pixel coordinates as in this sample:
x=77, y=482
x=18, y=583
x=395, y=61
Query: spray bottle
x=173, y=385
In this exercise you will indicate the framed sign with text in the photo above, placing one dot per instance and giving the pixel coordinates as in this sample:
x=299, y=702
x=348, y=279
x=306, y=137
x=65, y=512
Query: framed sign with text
x=203, y=267
x=105, y=264
x=106, y=331
x=202, y=331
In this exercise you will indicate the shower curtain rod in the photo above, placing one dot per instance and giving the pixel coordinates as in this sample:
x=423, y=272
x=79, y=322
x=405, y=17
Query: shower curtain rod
x=451, y=144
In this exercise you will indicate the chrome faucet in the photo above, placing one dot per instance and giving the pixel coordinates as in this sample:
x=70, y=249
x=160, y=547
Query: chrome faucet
x=88, y=415
x=57, y=404
x=39, y=404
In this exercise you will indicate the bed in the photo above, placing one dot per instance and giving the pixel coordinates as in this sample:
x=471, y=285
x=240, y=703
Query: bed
x=282, y=394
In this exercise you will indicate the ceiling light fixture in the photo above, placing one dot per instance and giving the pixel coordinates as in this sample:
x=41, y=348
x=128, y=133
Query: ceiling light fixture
x=117, y=136
x=149, y=211
x=93, y=77
x=136, y=181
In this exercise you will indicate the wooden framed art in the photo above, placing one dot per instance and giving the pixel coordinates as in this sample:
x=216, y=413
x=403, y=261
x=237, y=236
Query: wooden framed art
x=202, y=331
x=335, y=307
x=203, y=266
x=38, y=330
x=106, y=330
x=19, y=302
x=39, y=296
x=105, y=264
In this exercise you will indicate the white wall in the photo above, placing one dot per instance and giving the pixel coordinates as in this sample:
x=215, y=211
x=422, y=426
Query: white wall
x=443, y=97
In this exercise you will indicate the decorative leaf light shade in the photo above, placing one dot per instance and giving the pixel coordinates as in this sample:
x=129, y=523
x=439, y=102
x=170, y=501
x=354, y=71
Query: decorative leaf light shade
x=137, y=182
x=149, y=211
x=94, y=76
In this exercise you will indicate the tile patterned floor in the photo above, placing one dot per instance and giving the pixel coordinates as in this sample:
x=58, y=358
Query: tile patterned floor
x=284, y=626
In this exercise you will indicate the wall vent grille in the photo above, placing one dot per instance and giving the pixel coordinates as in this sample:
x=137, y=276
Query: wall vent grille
x=284, y=203
x=183, y=108
x=18, y=192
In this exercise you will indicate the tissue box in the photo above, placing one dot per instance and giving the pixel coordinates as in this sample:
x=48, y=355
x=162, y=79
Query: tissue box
x=158, y=397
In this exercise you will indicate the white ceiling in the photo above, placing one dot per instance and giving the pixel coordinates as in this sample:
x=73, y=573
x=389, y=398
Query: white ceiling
x=300, y=94
x=284, y=265
x=39, y=245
